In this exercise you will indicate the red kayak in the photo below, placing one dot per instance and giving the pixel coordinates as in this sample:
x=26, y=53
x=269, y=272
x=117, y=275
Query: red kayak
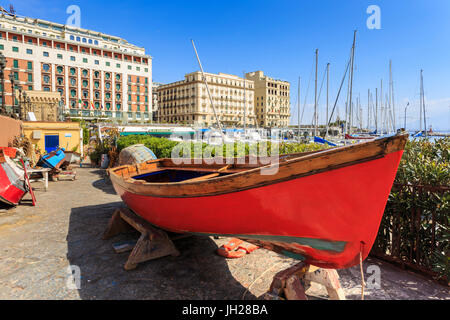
x=324, y=208
x=12, y=187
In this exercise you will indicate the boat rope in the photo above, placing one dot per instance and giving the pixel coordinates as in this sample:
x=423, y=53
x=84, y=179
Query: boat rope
x=262, y=275
x=363, y=283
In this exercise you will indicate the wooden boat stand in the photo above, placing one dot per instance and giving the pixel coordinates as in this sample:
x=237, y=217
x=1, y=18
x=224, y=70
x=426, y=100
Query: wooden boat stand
x=153, y=244
x=291, y=284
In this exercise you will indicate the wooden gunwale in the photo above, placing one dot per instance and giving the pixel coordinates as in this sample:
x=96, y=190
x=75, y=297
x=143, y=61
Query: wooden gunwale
x=292, y=168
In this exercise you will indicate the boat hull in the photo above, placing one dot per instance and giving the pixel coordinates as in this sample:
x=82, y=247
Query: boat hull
x=326, y=219
x=12, y=188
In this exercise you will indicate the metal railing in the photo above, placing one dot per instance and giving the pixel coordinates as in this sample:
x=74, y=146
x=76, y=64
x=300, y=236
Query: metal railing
x=414, y=232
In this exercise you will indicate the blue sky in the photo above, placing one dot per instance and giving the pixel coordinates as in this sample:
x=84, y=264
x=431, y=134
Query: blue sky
x=280, y=38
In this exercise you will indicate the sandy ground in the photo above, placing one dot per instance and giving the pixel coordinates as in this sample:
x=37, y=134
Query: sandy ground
x=37, y=245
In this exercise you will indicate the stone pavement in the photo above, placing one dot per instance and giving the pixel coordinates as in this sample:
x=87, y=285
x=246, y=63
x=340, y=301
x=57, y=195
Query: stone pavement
x=37, y=245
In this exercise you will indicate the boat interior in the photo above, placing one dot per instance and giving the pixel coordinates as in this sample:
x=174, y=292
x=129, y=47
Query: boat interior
x=167, y=171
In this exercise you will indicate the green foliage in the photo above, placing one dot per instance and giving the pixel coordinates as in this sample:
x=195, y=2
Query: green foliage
x=415, y=226
x=163, y=147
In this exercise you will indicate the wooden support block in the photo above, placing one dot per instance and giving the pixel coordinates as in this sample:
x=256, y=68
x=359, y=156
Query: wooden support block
x=124, y=246
x=152, y=244
x=330, y=280
x=116, y=226
x=294, y=289
x=293, y=282
x=150, y=247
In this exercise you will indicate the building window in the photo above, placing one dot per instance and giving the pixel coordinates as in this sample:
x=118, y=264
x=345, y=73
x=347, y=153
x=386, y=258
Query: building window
x=46, y=79
x=15, y=49
x=59, y=56
x=85, y=60
x=2, y=47
x=107, y=75
x=46, y=89
x=30, y=77
x=73, y=81
x=59, y=69
x=108, y=64
x=72, y=58
x=72, y=38
x=72, y=71
x=97, y=62
x=96, y=42
x=29, y=51
x=85, y=83
x=46, y=67
x=46, y=54
x=108, y=85
x=85, y=73
x=129, y=67
x=16, y=64
x=118, y=65
x=73, y=93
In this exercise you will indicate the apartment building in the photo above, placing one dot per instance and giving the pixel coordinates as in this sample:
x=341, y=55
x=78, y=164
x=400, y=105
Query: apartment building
x=272, y=100
x=187, y=101
x=96, y=74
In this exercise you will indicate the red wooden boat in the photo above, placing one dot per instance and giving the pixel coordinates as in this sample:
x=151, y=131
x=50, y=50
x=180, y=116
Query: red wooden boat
x=322, y=207
x=12, y=187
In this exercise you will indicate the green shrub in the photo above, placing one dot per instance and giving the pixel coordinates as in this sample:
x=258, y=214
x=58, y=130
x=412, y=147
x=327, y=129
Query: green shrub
x=418, y=209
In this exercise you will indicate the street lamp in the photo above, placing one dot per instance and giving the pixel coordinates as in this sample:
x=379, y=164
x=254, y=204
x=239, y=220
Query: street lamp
x=405, y=114
x=21, y=92
x=13, y=84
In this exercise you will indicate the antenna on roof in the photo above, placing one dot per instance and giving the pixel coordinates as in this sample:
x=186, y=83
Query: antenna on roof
x=12, y=10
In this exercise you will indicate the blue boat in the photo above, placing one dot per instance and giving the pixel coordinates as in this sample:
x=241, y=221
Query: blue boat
x=323, y=141
x=54, y=159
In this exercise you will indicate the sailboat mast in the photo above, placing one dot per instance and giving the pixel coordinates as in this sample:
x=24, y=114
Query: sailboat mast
x=328, y=90
x=245, y=107
x=315, y=96
x=392, y=96
x=376, y=110
x=381, y=106
x=368, y=109
x=209, y=93
x=423, y=103
x=351, y=79
x=299, y=107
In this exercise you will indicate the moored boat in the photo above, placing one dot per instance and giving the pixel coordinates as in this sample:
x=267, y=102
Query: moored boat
x=321, y=207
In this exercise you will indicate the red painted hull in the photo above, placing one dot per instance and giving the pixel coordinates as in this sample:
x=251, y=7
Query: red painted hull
x=10, y=191
x=323, y=218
